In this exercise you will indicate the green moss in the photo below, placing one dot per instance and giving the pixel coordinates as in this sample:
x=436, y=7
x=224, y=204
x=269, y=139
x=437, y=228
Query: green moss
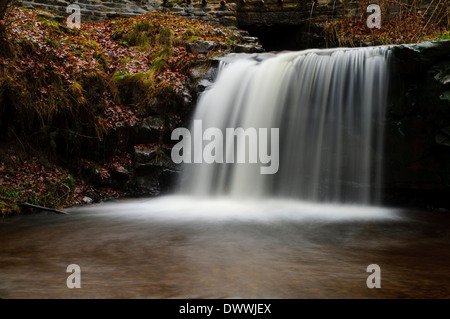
x=192, y=39
x=50, y=24
x=102, y=60
x=141, y=80
x=8, y=208
x=7, y=48
x=143, y=34
x=53, y=193
x=76, y=92
x=10, y=193
x=443, y=36
x=189, y=32
x=159, y=64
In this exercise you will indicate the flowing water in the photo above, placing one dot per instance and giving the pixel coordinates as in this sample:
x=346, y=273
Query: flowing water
x=308, y=231
x=328, y=106
x=182, y=247
x=310, y=19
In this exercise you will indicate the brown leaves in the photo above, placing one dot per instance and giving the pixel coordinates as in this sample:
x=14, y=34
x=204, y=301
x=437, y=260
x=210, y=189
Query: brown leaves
x=49, y=50
x=407, y=28
x=31, y=181
x=117, y=115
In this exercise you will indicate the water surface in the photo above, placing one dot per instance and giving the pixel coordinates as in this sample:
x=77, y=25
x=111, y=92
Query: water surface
x=180, y=247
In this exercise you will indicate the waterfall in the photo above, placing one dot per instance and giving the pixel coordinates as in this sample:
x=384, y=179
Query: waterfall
x=328, y=106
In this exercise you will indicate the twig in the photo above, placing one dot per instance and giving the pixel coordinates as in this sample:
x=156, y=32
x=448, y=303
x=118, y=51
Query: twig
x=435, y=9
x=20, y=141
x=42, y=208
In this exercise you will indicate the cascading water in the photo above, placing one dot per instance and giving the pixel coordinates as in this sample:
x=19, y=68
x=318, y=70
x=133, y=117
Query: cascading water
x=328, y=106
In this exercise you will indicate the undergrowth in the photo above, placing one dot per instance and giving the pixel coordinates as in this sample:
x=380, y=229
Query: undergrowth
x=402, y=21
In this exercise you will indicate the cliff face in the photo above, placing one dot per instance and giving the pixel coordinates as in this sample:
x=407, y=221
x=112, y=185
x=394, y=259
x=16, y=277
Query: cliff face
x=417, y=131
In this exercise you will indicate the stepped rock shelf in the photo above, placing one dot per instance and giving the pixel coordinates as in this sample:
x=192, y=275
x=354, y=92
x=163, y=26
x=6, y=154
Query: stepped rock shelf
x=279, y=24
x=241, y=13
x=98, y=10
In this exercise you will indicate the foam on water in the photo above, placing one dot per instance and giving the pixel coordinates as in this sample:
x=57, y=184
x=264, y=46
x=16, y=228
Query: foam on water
x=181, y=209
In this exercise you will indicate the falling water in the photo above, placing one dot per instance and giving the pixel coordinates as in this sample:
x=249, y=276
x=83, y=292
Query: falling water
x=328, y=106
x=310, y=19
x=312, y=10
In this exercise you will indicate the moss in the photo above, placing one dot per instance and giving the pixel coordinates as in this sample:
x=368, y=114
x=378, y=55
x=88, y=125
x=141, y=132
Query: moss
x=442, y=36
x=141, y=34
x=76, y=92
x=130, y=88
x=8, y=208
x=55, y=188
x=144, y=35
x=188, y=33
x=102, y=60
x=50, y=24
x=7, y=48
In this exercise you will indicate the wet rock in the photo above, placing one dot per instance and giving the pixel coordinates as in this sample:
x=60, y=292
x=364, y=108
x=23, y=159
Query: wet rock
x=244, y=33
x=417, y=128
x=248, y=48
x=201, y=47
x=147, y=181
x=425, y=52
x=49, y=16
x=205, y=75
x=155, y=172
x=253, y=40
x=153, y=156
x=121, y=173
x=442, y=140
x=443, y=76
x=151, y=127
x=87, y=200
x=445, y=96
x=121, y=178
x=228, y=21
x=199, y=13
x=147, y=132
x=144, y=155
x=188, y=9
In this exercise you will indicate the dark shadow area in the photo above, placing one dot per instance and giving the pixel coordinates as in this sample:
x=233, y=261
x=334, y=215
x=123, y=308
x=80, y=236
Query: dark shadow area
x=287, y=37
